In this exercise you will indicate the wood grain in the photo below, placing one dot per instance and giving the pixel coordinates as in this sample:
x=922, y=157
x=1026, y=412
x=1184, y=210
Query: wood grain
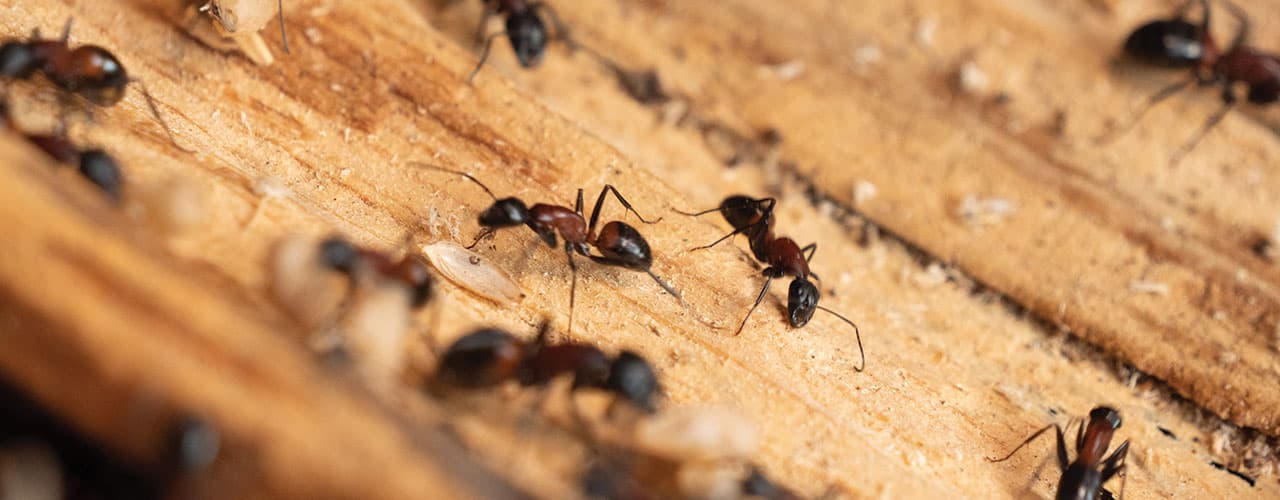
x=952, y=376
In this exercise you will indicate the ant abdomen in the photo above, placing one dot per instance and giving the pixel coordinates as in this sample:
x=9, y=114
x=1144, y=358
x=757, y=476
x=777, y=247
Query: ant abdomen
x=623, y=245
x=1170, y=43
x=483, y=358
x=634, y=379
x=94, y=73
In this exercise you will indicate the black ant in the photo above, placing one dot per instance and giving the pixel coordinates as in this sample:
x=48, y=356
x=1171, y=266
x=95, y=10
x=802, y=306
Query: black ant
x=1177, y=43
x=619, y=244
x=525, y=30
x=94, y=164
x=1083, y=478
x=489, y=356
x=346, y=258
x=754, y=218
x=89, y=71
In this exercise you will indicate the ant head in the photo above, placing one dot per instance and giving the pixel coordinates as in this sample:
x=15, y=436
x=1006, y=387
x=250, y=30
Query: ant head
x=624, y=246
x=631, y=377
x=802, y=302
x=528, y=37
x=506, y=212
x=1171, y=43
x=339, y=254
x=18, y=60
x=741, y=211
x=1106, y=414
x=98, y=75
x=97, y=166
x=482, y=358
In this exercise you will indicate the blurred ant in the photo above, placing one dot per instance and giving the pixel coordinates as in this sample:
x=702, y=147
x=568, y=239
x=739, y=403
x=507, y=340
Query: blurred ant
x=754, y=218
x=89, y=71
x=619, y=244
x=489, y=356
x=1177, y=43
x=94, y=164
x=1083, y=478
x=411, y=270
x=525, y=30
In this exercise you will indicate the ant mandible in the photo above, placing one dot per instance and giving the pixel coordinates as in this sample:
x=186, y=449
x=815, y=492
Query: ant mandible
x=94, y=164
x=619, y=244
x=489, y=356
x=89, y=71
x=1177, y=43
x=1083, y=478
x=525, y=30
x=754, y=218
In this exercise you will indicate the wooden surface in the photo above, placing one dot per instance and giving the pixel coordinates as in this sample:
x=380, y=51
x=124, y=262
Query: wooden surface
x=952, y=375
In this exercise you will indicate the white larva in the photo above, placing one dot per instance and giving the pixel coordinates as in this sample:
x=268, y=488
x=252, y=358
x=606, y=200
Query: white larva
x=473, y=272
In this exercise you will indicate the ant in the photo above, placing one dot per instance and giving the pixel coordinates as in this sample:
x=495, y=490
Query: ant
x=1177, y=43
x=94, y=164
x=754, y=218
x=525, y=30
x=344, y=257
x=89, y=71
x=619, y=244
x=489, y=356
x=1083, y=478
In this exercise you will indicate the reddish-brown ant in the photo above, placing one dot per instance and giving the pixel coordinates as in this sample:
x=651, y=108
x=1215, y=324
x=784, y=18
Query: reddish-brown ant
x=489, y=356
x=89, y=71
x=1083, y=478
x=619, y=244
x=525, y=30
x=754, y=218
x=94, y=164
x=344, y=257
x=1177, y=43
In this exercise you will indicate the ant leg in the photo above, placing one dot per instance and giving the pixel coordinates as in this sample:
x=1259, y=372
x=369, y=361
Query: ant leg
x=735, y=232
x=760, y=298
x=283, y=37
x=1242, y=34
x=595, y=212
x=573, y=286
x=1228, y=102
x=66, y=30
x=544, y=333
x=577, y=206
x=484, y=55
x=809, y=250
x=484, y=19
x=1151, y=102
x=665, y=286
x=1114, y=464
x=488, y=231
x=151, y=103
x=1062, y=446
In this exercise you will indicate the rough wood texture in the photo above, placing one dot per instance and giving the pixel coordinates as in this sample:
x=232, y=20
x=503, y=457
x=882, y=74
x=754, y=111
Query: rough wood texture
x=952, y=377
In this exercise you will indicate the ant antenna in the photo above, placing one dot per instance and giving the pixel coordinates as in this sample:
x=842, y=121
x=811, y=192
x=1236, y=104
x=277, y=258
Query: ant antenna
x=484, y=55
x=429, y=166
x=856, y=333
x=697, y=214
x=151, y=103
x=283, y=37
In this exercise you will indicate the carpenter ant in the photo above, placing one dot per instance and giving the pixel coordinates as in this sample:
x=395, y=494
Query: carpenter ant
x=1083, y=478
x=89, y=71
x=94, y=164
x=754, y=218
x=489, y=356
x=619, y=244
x=1177, y=43
x=346, y=258
x=525, y=30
